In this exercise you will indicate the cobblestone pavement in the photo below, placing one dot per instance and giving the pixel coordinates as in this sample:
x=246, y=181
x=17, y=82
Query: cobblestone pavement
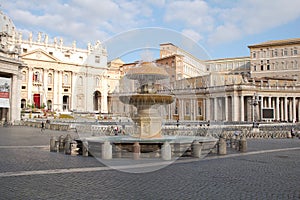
x=270, y=170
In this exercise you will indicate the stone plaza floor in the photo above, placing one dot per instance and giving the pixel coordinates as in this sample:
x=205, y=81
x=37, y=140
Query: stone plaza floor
x=270, y=169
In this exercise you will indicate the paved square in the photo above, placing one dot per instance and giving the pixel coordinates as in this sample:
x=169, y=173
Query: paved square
x=269, y=170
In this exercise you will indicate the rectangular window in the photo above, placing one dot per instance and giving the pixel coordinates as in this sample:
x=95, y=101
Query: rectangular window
x=97, y=59
x=268, y=67
x=262, y=68
x=199, y=108
x=187, y=108
x=295, y=52
x=285, y=52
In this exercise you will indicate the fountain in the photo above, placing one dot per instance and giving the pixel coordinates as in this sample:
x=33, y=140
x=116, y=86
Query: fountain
x=147, y=141
x=148, y=120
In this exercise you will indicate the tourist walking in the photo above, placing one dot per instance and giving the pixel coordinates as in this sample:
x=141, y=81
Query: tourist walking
x=42, y=127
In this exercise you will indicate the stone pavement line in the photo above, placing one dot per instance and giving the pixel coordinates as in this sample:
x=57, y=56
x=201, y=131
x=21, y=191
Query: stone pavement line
x=251, y=153
x=91, y=169
x=23, y=147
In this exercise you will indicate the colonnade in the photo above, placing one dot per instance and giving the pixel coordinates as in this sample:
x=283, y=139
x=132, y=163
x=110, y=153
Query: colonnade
x=241, y=108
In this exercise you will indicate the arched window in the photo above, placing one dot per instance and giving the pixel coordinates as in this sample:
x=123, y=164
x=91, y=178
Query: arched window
x=66, y=79
x=36, y=77
x=80, y=80
x=24, y=78
x=49, y=78
x=97, y=81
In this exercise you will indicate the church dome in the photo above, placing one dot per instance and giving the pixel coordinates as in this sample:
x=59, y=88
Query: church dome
x=6, y=25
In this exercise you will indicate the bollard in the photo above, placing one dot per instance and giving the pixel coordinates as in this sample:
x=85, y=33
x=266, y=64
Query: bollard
x=56, y=146
x=136, y=151
x=67, y=147
x=85, y=148
x=222, y=146
x=166, y=152
x=61, y=143
x=237, y=142
x=232, y=142
x=243, y=144
x=52, y=144
x=196, y=149
x=74, y=148
x=106, y=150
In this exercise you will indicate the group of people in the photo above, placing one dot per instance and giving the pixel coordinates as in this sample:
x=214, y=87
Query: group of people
x=43, y=126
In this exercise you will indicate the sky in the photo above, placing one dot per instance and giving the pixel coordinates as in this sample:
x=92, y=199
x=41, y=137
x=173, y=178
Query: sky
x=223, y=28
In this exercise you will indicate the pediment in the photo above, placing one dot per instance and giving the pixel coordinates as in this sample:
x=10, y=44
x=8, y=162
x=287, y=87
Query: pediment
x=40, y=55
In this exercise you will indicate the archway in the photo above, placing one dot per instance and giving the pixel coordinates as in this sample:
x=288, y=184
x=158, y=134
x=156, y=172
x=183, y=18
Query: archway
x=49, y=105
x=23, y=103
x=97, y=101
x=37, y=100
x=66, y=103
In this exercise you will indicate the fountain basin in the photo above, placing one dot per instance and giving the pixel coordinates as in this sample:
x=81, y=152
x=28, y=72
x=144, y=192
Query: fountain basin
x=147, y=99
x=123, y=146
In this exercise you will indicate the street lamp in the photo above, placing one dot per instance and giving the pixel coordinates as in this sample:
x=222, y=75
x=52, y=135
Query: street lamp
x=254, y=102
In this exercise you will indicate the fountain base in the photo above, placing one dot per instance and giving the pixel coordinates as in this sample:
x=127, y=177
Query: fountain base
x=126, y=146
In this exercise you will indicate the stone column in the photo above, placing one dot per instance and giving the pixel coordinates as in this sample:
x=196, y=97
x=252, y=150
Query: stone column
x=29, y=85
x=242, y=108
x=182, y=113
x=226, y=108
x=74, y=91
x=55, y=90
x=294, y=109
x=277, y=109
x=285, y=108
x=259, y=114
x=194, y=110
x=269, y=102
x=45, y=88
x=15, y=99
x=235, y=108
x=216, y=108
x=207, y=109
x=298, y=109
x=282, y=115
x=60, y=81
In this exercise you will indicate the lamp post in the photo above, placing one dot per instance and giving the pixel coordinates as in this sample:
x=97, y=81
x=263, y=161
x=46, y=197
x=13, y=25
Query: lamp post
x=254, y=102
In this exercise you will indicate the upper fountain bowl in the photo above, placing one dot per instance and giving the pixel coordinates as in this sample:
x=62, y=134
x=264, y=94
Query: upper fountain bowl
x=147, y=72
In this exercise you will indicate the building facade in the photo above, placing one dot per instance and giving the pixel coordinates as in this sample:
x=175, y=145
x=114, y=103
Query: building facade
x=61, y=78
x=231, y=89
x=10, y=72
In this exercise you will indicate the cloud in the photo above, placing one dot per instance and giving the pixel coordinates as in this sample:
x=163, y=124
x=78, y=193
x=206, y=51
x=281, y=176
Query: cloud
x=192, y=34
x=194, y=14
x=80, y=20
x=251, y=17
x=213, y=21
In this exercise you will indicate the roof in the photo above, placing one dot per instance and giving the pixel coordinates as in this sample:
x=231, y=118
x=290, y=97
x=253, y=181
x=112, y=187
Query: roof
x=276, y=43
